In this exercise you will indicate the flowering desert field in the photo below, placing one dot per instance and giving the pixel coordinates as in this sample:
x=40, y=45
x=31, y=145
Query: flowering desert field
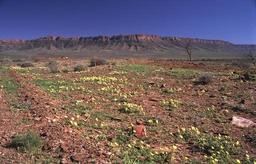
x=127, y=111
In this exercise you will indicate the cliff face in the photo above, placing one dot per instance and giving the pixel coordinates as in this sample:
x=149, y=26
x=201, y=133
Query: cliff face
x=130, y=43
x=101, y=41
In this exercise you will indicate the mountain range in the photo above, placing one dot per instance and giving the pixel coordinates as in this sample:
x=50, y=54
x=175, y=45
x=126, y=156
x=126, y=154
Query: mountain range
x=137, y=45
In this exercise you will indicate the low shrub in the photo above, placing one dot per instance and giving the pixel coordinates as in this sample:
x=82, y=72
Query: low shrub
x=248, y=76
x=204, y=80
x=26, y=65
x=53, y=66
x=79, y=68
x=96, y=62
x=65, y=70
x=28, y=142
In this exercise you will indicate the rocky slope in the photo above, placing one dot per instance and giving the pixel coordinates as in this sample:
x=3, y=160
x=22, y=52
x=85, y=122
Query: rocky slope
x=139, y=45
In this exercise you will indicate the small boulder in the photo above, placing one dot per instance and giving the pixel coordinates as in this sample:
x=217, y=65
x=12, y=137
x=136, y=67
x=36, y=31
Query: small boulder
x=242, y=122
x=140, y=130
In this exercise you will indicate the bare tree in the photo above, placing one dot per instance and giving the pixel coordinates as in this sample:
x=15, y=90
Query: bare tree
x=188, y=48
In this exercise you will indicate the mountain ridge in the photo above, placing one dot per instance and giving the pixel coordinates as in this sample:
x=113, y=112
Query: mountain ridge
x=138, y=37
x=139, y=44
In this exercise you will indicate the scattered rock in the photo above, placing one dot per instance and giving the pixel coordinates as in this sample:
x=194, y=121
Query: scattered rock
x=153, y=99
x=140, y=130
x=242, y=122
x=163, y=86
x=151, y=83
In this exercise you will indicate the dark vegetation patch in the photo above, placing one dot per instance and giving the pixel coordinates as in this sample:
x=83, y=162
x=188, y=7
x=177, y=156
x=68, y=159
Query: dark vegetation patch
x=26, y=65
x=97, y=62
x=28, y=142
x=79, y=68
x=53, y=67
x=204, y=79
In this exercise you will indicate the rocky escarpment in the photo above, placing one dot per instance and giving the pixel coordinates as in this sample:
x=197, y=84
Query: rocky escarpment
x=120, y=41
x=129, y=43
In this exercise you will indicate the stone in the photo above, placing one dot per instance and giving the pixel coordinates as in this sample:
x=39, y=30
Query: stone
x=242, y=122
x=140, y=131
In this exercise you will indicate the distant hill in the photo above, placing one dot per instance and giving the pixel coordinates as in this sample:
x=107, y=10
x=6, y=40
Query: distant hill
x=125, y=46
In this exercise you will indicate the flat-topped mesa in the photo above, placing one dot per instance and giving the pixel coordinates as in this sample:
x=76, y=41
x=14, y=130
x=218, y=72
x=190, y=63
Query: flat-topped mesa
x=129, y=38
x=134, y=43
x=55, y=38
x=206, y=41
x=12, y=42
x=196, y=40
x=123, y=38
x=136, y=38
x=48, y=38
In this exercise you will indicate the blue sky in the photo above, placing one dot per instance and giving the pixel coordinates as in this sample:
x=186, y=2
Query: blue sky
x=231, y=20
